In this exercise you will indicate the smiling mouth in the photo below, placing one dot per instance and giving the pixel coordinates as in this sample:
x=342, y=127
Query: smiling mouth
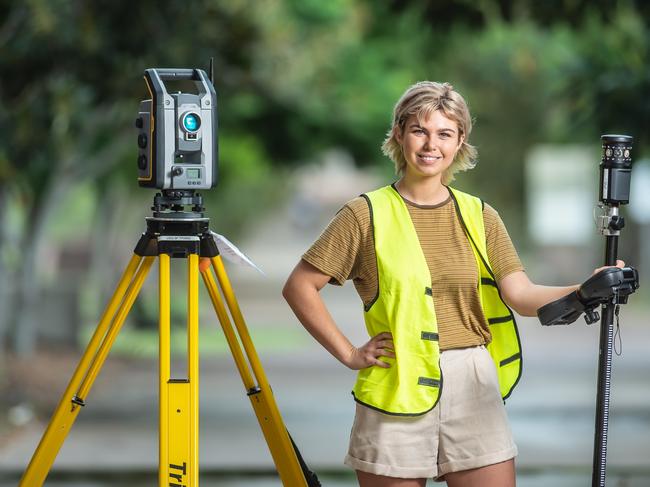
x=426, y=158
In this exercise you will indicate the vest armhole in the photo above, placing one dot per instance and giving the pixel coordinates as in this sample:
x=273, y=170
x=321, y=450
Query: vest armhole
x=469, y=236
x=367, y=307
x=493, y=282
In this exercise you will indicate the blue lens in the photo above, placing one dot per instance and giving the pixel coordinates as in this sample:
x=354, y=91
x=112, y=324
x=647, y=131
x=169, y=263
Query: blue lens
x=191, y=122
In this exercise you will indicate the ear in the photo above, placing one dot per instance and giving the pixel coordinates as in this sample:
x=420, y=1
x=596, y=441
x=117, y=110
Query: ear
x=397, y=133
x=461, y=139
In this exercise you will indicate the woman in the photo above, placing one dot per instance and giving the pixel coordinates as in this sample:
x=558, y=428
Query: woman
x=438, y=275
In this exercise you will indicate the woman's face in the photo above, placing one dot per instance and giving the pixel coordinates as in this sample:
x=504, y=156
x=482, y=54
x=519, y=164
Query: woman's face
x=429, y=146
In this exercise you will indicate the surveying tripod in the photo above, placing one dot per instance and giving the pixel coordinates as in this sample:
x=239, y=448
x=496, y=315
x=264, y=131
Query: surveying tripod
x=175, y=234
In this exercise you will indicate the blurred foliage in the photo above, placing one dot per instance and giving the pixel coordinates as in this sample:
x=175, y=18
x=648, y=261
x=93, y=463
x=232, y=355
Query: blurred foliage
x=296, y=78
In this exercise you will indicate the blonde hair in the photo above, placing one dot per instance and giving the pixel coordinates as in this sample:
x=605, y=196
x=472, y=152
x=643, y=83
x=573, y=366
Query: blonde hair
x=421, y=100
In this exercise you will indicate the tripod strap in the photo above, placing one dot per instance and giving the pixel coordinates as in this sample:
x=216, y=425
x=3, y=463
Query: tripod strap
x=310, y=477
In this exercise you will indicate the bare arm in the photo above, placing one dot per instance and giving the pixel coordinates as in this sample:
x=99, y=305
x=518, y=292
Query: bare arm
x=301, y=291
x=525, y=297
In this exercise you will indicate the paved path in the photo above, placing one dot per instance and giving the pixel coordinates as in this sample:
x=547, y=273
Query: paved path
x=552, y=411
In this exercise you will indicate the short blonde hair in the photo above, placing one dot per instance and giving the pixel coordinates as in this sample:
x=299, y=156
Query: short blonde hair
x=421, y=100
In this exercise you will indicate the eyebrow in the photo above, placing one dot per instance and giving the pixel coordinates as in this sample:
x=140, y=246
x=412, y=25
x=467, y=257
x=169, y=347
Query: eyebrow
x=417, y=125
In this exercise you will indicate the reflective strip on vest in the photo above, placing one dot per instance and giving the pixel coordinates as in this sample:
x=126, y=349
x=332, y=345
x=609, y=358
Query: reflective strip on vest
x=413, y=383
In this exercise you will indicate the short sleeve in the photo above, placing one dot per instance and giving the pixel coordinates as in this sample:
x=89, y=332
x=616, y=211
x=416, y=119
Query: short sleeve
x=502, y=254
x=335, y=252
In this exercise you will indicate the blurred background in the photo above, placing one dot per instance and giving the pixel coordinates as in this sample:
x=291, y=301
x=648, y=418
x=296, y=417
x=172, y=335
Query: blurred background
x=305, y=91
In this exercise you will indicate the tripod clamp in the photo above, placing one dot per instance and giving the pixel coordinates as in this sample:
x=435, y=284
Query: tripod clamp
x=610, y=223
x=610, y=286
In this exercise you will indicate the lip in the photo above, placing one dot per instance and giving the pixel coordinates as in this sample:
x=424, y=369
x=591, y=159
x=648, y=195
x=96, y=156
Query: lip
x=429, y=158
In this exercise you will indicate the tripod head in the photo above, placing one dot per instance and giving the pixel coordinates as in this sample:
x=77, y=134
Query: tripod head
x=178, y=204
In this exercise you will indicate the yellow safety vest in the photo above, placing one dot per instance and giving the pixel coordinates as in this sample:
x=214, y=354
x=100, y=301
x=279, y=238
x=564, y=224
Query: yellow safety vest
x=404, y=307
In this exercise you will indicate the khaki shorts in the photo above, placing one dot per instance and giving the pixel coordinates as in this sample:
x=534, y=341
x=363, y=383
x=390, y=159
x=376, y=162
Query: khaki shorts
x=467, y=429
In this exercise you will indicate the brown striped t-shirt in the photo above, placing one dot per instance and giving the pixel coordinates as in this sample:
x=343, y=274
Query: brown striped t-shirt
x=345, y=250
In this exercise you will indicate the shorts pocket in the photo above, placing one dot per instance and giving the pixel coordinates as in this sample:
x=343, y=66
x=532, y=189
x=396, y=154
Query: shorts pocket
x=485, y=369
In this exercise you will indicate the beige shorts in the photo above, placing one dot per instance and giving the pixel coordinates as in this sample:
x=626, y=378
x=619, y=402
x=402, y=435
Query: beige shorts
x=467, y=429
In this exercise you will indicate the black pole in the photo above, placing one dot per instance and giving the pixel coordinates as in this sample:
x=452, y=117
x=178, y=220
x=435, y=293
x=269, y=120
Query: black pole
x=604, y=377
x=615, y=172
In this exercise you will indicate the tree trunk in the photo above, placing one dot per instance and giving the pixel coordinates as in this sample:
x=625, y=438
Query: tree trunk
x=29, y=289
x=7, y=276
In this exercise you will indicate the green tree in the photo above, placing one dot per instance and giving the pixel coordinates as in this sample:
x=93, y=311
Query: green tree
x=294, y=78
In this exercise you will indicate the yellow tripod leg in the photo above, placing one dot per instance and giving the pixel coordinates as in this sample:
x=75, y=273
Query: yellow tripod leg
x=86, y=371
x=229, y=332
x=179, y=398
x=261, y=397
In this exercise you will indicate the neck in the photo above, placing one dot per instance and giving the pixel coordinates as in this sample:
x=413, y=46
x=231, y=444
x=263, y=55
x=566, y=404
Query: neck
x=422, y=191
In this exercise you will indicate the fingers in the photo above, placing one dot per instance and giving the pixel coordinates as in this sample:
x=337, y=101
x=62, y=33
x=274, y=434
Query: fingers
x=383, y=336
x=386, y=344
x=384, y=347
x=372, y=353
x=382, y=353
x=383, y=341
x=385, y=352
x=382, y=364
x=619, y=264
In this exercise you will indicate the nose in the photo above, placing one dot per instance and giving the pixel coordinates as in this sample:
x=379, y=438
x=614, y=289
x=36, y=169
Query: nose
x=429, y=143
